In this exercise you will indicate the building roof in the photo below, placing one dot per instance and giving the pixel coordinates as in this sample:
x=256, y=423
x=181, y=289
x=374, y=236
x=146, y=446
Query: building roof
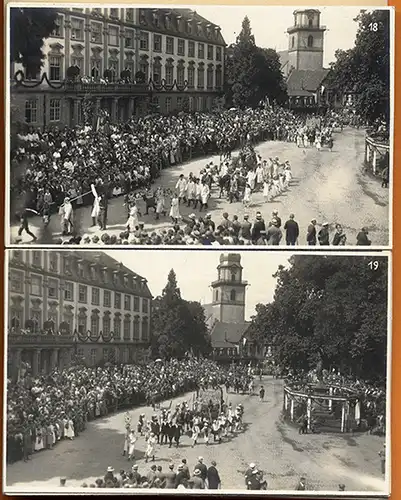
x=305, y=82
x=189, y=15
x=227, y=334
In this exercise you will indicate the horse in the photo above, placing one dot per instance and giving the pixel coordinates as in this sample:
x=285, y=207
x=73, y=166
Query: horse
x=224, y=184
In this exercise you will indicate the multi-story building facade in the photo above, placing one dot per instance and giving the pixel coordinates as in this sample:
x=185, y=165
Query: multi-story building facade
x=67, y=304
x=162, y=45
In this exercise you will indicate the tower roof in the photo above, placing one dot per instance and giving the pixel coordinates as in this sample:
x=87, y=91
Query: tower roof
x=230, y=257
x=315, y=11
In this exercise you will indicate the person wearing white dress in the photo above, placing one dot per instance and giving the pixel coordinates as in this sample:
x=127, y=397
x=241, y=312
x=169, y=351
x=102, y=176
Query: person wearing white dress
x=175, y=209
x=251, y=178
x=204, y=195
x=198, y=193
x=66, y=217
x=266, y=190
x=131, y=445
x=181, y=187
x=126, y=442
x=160, y=203
x=195, y=434
x=96, y=205
x=259, y=176
x=69, y=430
x=150, y=450
x=247, y=196
x=318, y=142
x=191, y=190
x=39, y=445
x=133, y=220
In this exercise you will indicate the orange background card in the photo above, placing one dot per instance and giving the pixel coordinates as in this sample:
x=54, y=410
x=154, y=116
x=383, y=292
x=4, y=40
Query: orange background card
x=396, y=280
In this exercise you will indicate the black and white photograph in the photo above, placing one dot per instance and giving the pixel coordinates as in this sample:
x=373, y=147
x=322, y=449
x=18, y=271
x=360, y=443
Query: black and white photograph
x=200, y=125
x=264, y=371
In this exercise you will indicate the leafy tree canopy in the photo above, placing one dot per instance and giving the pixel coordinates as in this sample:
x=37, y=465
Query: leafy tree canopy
x=252, y=73
x=28, y=29
x=178, y=326
x=332, y=309
x=365, y=69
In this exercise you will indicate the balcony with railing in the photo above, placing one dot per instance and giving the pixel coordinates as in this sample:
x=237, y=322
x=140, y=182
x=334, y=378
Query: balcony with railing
x=31, y=339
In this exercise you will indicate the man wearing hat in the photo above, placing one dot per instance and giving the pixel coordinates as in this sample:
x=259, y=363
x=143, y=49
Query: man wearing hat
x=311, y=234
x=274, y=233
x=213, y=477
x=185, y=468
x=109, y=476
x=170, y=478
x=151, y=476
x=248, y=472
x=253, y=482
x=258, y=227
x=245, y=230
x=202, y=467
x=181, y=477
x=301, y=486
x=323, y=235
x=291, y=231
x=276, y=217
x=362, y=238
x=136, y=477
x=196, y=481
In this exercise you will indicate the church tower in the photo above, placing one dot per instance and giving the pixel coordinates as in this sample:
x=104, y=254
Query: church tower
x=228, y=305
x=306, y=41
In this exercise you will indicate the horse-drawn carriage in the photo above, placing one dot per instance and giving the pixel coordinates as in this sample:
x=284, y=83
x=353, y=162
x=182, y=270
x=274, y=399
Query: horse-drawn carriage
x=209, y=402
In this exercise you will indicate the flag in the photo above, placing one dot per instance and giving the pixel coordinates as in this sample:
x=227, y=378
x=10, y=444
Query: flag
x=244, y=341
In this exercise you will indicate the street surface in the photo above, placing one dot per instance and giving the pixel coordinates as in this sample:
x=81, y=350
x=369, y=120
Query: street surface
x=328, y=186
x=324, y=460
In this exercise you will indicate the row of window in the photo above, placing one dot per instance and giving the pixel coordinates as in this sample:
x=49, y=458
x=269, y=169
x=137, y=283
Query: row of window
x=69, y=266
x=127, y=355
x=113, y=39
x=36, y=284
x=56, y=71
x=31, y=110
x=187, y=26
x=125, y=329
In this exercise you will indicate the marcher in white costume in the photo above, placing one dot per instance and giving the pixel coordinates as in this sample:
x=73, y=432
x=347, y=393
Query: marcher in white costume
x=175, y=209
x=133, y=220
x=96, y=205
x=150, y=450
x=66, y=216
x=131, y=445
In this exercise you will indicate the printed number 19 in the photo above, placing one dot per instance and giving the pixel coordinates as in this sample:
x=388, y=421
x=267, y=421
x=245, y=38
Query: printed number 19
x=374, y=265
x=373, y=26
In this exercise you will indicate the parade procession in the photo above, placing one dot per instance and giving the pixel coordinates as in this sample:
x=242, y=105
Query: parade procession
x=235, y=367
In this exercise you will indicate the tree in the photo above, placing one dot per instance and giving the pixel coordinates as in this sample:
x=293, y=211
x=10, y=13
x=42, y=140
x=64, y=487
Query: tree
x=332, y=309
x=252, y=73
x=178, y=326
x=365, y=69
x=28, y=29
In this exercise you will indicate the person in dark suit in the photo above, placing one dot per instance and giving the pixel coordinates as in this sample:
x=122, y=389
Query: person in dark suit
x=213, y=478
x=291, y=231
x=202, y=467
x=171, y=478
x=181, y=477
x=258, y=227
x=362, y=238
x=301, y=486
x=311, y=235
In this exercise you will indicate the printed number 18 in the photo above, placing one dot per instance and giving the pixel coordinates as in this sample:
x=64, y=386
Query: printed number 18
x=373, y=26
x=374, y=265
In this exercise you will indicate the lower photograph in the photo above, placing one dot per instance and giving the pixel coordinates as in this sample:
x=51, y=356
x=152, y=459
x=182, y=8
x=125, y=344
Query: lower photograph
x=197, y=370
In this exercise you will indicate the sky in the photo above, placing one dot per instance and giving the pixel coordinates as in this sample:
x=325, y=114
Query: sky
x=269, y=25
x=195, y=271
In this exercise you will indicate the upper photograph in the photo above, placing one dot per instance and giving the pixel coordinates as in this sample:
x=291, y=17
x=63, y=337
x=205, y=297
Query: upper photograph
x=199, y=126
